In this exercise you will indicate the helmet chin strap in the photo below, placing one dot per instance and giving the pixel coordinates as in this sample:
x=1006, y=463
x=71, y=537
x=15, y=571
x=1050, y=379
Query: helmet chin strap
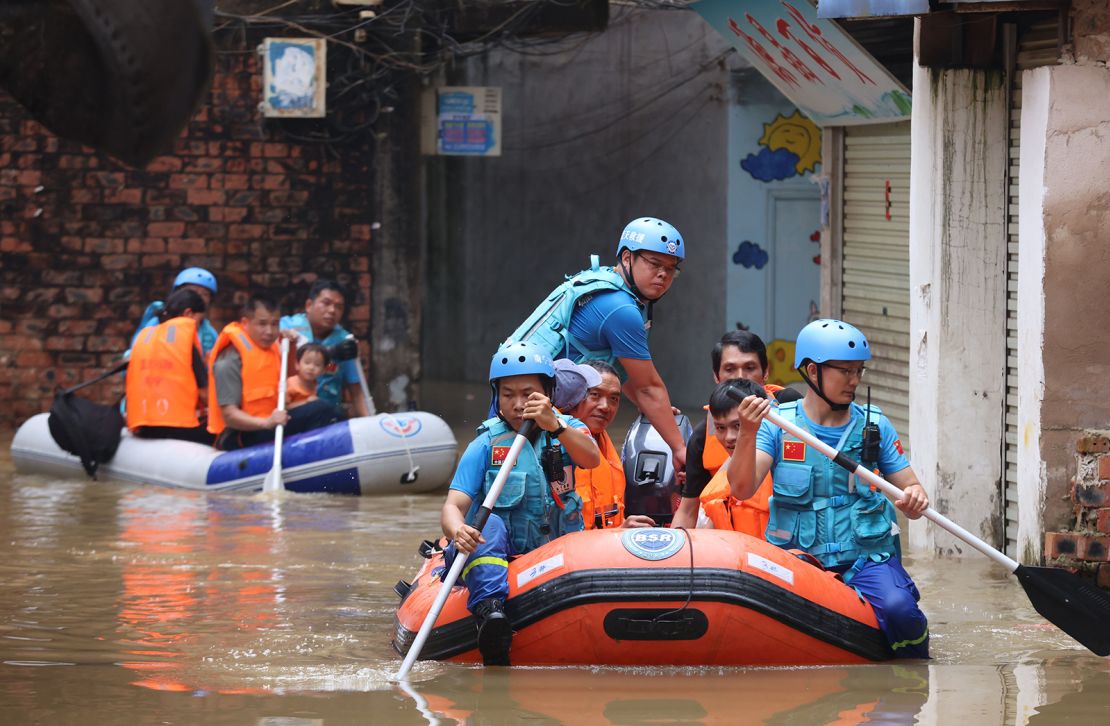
x=628, y=277
x=819, y=389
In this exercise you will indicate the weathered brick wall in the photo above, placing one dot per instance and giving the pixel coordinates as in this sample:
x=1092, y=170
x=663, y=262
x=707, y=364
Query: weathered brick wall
x=1085, y=545
x=86, y=243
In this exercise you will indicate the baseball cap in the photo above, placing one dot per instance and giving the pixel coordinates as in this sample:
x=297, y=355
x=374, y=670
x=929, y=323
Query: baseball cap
x=572, y=381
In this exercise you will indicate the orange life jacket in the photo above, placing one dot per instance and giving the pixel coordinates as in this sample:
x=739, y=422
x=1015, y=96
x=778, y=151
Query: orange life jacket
x=714, y=454
x=727, y=512
x=161, y=386
x=602, y=488
x=261, y=371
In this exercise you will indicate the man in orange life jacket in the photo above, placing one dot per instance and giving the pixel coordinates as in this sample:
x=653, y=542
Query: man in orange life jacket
x=245, y=368
x=167, y=374
x=602, y=487
x=739, y=354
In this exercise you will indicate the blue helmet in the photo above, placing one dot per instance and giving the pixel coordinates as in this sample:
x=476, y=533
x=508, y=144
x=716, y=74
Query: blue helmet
x=653, y=235
x=519, y=359
x=827, y=339
x=196, y=276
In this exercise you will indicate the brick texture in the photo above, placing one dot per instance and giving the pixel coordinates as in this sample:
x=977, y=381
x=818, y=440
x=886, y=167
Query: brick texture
x=86, y=243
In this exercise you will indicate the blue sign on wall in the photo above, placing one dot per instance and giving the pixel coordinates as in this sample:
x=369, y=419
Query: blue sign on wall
x=468, y=121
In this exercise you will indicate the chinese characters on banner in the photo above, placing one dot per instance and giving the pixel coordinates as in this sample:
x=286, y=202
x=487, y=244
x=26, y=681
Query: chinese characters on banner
x=811, y=61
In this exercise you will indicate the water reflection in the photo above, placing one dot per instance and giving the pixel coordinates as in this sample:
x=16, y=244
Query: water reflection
x=139, y=604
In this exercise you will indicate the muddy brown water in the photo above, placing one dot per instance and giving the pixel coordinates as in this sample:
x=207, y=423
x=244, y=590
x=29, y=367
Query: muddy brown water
x=136, y=604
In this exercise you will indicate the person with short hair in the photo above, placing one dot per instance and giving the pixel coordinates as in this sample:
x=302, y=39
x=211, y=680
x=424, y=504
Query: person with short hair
x=739, y=354
x=320, y=323
x=312, y=360
x=818, y=506
x=244, y=377
x=167, y=374
x=602, y=487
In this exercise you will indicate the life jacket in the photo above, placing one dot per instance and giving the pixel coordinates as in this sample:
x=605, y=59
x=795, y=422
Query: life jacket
x=817, y=506
x=531, y=512
x=205, y=331
x=602, y=488
x=161, y=386
x=549, y=324
x=727, y=512
x=714, y=455
x=261, y=372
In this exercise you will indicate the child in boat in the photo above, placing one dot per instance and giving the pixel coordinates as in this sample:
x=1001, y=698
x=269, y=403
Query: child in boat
x=816, y=505
x=538, y=502
x=312, y=360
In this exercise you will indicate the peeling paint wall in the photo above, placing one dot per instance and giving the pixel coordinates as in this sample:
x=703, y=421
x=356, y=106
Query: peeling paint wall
x=958, y=299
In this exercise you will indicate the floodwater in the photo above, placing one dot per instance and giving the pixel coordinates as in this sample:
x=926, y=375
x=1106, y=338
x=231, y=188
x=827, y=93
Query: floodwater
x=124, y=604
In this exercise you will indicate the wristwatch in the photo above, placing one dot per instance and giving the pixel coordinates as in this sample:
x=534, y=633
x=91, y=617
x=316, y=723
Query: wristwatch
x=557, y=432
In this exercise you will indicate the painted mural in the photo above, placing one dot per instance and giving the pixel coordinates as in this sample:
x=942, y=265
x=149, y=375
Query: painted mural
x=790, y=146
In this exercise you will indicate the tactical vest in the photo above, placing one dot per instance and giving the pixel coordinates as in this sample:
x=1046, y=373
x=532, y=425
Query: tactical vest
x=818, y=507
x=526, y=503
x=549, y=324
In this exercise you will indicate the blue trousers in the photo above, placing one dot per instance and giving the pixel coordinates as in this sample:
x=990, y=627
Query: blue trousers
x=486, y=572
x=891, y=592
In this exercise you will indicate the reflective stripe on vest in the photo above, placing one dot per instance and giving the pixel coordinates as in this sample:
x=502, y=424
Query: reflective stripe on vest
x=261, y=371
x=161, y=386
x=525, y=504
x=817, y=507
x=602, y=488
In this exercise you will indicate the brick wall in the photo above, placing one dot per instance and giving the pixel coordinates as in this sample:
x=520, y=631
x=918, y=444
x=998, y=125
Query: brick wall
x=86, y=243
x=1085, y=545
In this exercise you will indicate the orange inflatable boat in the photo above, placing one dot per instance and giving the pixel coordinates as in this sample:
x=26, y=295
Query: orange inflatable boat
x=655, y=597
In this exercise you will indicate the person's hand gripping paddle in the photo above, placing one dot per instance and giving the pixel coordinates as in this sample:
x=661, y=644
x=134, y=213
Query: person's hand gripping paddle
x=1080, y=610
x=273, y=480
x=479, y=524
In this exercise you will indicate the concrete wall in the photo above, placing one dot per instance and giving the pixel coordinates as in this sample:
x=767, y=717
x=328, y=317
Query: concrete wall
x=958, y=298
x=597, y=130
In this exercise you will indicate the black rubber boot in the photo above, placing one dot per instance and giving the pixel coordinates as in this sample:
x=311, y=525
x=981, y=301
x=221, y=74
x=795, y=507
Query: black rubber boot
x=495, y=632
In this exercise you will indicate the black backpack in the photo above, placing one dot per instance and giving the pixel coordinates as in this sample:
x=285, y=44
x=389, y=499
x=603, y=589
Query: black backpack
x=88, y=430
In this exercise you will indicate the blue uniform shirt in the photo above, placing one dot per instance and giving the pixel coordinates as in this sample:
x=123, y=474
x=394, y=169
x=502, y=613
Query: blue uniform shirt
x=329, y=386
x=612, y=320
x=891, y=458
x=470, y=474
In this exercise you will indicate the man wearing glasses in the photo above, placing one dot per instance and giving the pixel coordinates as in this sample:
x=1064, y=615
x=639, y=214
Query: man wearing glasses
x=605, y=314
x=816, y=505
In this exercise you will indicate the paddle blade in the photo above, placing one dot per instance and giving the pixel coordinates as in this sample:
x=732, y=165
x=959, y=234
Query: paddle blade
x=273, y=481
x=1079, y=609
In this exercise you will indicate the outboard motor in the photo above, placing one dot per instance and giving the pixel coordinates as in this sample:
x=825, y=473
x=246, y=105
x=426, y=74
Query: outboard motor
x=650, y=484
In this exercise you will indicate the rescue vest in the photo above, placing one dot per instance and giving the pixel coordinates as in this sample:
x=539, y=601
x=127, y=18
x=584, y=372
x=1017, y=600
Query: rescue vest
x=161, y=386
x=205, y=331
x=727, y=512
x=817, y=506
x=714, y=455
x=549, y=324
x=602, y=488
x=530, y=510
x=261, y=373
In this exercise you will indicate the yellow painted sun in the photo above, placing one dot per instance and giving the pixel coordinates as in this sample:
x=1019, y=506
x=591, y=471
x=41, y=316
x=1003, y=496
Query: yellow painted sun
x=795, y=133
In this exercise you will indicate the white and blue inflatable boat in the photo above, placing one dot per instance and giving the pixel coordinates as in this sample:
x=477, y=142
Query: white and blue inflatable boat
x=383, y=454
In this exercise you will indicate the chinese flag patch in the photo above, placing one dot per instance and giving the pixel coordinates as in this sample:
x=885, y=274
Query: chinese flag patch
x=499, y=454
x=898, y=445
x=793, y=451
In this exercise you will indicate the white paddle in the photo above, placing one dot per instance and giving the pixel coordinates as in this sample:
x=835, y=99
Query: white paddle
x=273, y=480
x=479, y=523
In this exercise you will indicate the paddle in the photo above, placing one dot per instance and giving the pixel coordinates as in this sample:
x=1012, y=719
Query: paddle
x=273, y=480
x=1064, y=599
x=479, y=523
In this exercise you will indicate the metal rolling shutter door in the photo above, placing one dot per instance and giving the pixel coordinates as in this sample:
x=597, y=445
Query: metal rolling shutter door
x=1037, y=46
x=876, y=264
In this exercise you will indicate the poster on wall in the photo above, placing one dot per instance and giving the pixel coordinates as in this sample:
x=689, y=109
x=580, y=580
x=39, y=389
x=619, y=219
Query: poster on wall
x=468, y=121
x=294, y=77
x=811, y=61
